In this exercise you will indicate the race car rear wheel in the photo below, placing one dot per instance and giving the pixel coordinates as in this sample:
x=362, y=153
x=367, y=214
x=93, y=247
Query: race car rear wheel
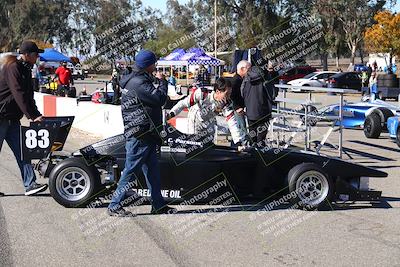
x=398, y=136
x=72, y=183
x=312, y=187
x=311, y=111
x=373, y=126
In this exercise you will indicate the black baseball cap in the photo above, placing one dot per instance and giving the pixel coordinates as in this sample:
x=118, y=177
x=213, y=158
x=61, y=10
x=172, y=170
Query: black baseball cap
x=29, y=47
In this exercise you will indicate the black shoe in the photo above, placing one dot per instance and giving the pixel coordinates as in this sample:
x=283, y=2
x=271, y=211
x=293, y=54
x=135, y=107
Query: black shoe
x=2, y=194
x=164, y=210
x=35, y=188
x=120, y=213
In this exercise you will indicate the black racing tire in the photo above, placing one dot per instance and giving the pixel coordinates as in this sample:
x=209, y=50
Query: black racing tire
x=311, y=186
x=373, y=126
x=310, y=110
x=72, y=92
x=73, y=184
x=386, y=113
x=398, y=136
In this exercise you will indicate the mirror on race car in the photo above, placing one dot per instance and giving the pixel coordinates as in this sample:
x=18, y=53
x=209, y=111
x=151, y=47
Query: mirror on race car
x=42, y=138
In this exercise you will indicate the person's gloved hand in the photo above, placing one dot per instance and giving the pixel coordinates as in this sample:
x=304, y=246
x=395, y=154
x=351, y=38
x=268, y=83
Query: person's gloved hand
x=244, y=145
x=170, y=115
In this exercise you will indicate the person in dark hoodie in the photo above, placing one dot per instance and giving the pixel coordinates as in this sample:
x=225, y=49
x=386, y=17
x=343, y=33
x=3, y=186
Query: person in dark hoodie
x=141, y=112
x=258, y=94
x=16, y=100
x=241, y=70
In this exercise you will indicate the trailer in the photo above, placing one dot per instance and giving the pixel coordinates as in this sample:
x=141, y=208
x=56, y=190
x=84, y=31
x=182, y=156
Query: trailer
x=384, y=92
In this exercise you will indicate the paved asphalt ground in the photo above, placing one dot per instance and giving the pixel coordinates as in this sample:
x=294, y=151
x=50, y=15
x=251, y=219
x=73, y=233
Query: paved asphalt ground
x=36, y=231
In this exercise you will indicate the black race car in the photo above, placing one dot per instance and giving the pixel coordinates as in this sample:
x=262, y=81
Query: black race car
x=194, y=170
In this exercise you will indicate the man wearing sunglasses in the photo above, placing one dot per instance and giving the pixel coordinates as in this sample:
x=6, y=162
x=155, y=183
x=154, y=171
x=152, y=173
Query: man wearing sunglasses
x=16, y=100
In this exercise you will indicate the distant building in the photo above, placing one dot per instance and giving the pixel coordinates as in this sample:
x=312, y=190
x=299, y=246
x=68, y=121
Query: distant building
x=382, y=59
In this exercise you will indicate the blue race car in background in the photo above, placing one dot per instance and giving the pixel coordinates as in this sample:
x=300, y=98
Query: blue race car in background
x=372, y=115
x=394, y=129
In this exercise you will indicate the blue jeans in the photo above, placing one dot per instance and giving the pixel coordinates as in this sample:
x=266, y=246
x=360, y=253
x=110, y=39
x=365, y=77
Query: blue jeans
x=374, y=91
x=142, y=156
x=10, y=131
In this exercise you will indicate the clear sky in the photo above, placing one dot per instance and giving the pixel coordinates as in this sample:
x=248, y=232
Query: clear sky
x=397, y=7
x=160, y=4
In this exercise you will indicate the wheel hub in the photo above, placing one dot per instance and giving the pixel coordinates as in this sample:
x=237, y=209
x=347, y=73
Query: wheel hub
x=315, y=187
x=73, y=183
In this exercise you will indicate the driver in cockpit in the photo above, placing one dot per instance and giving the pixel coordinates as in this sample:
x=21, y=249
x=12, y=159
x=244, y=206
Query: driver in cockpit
x=204, y=107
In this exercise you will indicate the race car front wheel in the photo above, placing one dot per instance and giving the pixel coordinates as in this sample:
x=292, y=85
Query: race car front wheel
x=310, y=187
x=72, y=183
x=372, y=126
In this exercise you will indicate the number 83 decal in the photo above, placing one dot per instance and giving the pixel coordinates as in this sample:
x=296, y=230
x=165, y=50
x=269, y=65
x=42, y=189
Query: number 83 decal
x=36, y=139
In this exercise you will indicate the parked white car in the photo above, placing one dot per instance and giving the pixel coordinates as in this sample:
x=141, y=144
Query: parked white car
x=314, y=79
x=77, y=72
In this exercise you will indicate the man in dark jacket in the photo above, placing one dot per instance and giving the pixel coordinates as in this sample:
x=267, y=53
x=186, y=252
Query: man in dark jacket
x=141, y=111
x=241, y=70
x=16, y=100
x=258, y=94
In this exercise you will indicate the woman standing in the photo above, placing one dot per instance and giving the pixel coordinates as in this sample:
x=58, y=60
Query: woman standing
x=16, y=100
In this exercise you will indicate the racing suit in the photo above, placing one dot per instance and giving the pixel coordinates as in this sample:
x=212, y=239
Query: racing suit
x=203, y=109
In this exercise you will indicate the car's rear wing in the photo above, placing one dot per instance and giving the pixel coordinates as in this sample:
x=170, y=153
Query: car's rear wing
x=41, y=138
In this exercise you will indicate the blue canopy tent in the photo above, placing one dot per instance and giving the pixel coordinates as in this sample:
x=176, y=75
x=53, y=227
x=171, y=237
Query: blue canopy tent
x=174, y=57
x=204, y=60
x=194, y=56
x=52, y=55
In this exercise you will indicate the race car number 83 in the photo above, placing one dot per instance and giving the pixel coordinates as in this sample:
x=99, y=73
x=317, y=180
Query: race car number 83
x=37, y=139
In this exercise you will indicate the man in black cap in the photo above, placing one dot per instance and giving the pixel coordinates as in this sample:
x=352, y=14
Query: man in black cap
x=141, y=112
x=16, y=100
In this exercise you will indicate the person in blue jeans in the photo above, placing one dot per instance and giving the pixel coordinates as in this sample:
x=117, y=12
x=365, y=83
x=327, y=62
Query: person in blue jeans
x=141, y=112
x=16, y=100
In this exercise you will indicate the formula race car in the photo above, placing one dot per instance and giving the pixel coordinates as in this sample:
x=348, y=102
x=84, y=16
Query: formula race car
x=371, y=115
x=194, y=170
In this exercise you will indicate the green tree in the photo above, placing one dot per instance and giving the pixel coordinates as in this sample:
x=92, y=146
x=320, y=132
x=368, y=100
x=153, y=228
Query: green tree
x=33, y=19
x=167, y=39
x=384, y=35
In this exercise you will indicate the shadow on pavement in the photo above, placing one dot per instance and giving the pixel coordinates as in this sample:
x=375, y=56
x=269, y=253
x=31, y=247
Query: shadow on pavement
x=23, y=195
x=251, y=206
x=374, y=145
